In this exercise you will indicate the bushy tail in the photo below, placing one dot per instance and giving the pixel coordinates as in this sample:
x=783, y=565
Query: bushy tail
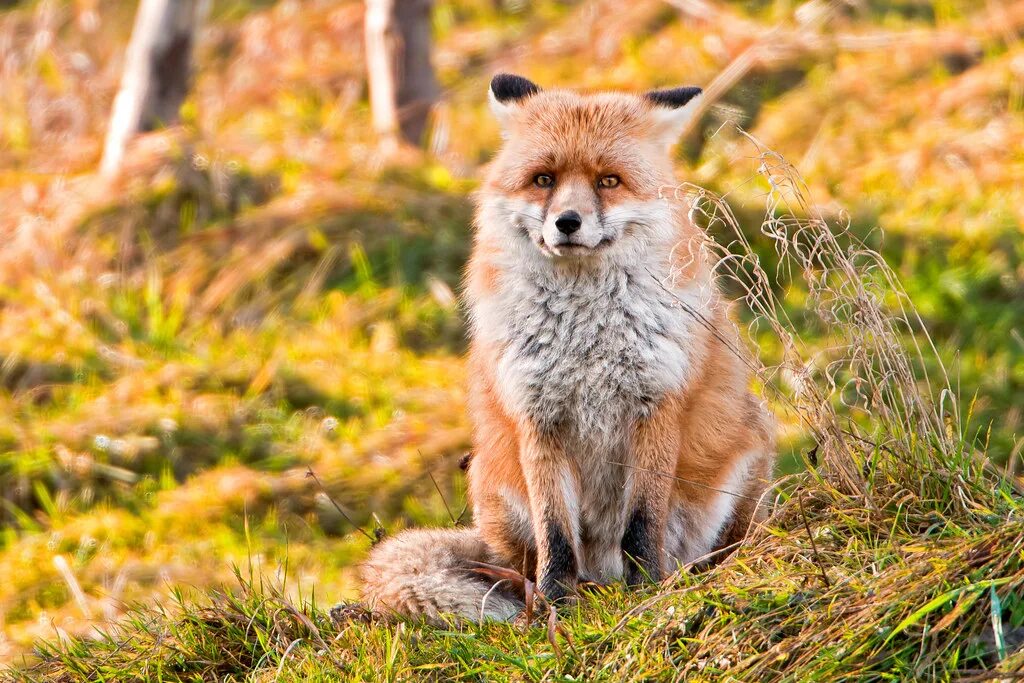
x=429, y=572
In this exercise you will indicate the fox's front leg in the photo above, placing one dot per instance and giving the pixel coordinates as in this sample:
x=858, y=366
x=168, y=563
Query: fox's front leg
x=552, y=484
x=653, y=456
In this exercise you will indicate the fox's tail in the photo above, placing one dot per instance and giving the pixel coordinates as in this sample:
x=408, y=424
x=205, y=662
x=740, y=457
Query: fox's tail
x=429, y=572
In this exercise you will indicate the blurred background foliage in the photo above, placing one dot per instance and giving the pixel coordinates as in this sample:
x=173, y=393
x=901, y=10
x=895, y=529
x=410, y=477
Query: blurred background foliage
x=261, y=291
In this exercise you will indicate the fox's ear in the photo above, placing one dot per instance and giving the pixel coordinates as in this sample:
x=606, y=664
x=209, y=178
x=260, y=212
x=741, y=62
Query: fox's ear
x=672, y=110
x=507, y=92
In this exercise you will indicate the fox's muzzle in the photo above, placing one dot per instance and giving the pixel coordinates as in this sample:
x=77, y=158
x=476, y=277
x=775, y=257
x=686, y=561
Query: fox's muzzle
x=573, y=220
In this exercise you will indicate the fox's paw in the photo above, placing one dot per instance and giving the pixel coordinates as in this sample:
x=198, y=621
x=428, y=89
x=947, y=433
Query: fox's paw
x=560, y=592
x=588, y=587
x=637, y=574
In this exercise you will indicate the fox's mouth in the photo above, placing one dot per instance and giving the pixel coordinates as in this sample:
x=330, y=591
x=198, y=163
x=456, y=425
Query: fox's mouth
x=571, y=249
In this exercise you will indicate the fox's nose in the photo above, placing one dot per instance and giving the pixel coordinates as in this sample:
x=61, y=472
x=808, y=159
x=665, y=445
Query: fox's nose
x=569, y=222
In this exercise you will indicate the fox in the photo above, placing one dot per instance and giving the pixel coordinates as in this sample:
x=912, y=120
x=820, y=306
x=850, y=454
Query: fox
x=616, y=436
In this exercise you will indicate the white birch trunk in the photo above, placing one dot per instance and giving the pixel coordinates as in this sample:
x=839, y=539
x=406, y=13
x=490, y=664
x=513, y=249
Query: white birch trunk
x=403, y=87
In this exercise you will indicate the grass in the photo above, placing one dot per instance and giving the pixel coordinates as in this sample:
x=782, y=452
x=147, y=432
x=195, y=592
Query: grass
x=829, y=590
x=260, y=296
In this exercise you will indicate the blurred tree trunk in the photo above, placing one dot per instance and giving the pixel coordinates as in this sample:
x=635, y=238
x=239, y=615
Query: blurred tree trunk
x=157, y=73
x=403, y=87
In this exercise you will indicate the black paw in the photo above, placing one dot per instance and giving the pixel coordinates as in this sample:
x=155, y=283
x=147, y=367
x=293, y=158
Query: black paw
x=560, y=591
x=641, y=573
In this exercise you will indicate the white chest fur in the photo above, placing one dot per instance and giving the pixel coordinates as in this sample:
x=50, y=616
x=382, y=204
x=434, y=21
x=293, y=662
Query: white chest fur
x=586, y=353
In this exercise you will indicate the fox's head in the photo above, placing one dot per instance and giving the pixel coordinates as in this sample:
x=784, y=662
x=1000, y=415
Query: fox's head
x=579, y=177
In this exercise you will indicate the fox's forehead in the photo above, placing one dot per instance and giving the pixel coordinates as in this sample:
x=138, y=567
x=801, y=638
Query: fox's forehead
x=563, y=112
x=560, y=128
x=564, y=131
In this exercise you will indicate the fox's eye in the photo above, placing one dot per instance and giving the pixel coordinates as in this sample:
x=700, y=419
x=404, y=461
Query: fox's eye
x=544, y=180
x=608, y=181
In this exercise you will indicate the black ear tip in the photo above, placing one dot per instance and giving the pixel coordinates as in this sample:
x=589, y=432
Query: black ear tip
x=508, y=88
x=674, y=97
